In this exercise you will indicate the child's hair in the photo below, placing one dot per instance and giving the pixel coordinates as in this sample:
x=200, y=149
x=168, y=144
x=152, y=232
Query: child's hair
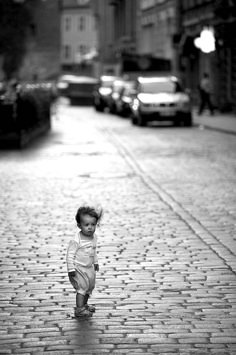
x=91, y=211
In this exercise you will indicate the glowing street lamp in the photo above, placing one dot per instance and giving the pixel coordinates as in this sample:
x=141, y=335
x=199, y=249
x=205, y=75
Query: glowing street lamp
x=206, y=41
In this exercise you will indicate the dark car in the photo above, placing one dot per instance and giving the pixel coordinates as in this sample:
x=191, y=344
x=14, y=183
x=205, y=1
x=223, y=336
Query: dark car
x=103, y=91
x=2, y=88
x=79, y=89
x=117, y=87
x=161, y=99
x=127, y=94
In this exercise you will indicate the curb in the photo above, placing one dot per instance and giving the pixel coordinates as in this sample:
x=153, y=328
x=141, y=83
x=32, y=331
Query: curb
x=206, y=236
x=212, y=128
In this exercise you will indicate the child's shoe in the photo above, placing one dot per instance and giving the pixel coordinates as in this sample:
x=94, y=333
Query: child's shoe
x=82, y=312
x=90, y=308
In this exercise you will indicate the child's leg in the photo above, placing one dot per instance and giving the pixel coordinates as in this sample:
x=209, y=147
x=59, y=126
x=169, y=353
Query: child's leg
x=79, y=300
x=81, y=310
x=86, y=297
x=90, y=308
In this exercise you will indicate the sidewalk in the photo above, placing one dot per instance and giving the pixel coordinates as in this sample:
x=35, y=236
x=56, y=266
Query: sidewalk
x=224, y=122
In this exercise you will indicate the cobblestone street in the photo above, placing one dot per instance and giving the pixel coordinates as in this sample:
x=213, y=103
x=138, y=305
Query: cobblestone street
x=166, y=245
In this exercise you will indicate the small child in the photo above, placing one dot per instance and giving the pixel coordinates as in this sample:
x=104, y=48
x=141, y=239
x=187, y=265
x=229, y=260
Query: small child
x=82, y=261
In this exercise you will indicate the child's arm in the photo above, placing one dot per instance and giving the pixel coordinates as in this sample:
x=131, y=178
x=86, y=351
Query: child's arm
x=72, y=247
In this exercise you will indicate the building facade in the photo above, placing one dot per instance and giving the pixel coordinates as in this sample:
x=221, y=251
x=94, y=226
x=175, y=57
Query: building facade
x=220, y=16
x=103, y=13
x=146, y=35
x=141, y=35
x=116, y=21
x=79, y=41
x=156, y=27
x=42, y=59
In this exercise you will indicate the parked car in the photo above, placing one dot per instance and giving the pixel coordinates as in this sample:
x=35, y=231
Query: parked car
x=79, y=89
x=103, y=91
x=123, y=105
x=114, y=96
x=161, y=99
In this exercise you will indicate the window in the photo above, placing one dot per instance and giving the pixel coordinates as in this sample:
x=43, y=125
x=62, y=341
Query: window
x=148, y=39
x=81, y=23
x=67, y=52
x=83, y=49
x=67, y=24
x=160, y=87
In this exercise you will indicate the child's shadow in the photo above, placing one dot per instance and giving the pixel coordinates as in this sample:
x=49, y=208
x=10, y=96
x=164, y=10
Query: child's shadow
x=84, y=333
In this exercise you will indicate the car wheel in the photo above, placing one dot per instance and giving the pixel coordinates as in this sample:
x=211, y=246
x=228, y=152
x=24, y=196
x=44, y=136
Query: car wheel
x=99, y=108
x=188, y=121
x=119, y=112
x=134, y=120
x=112, y=109
x=177, y=123
x=141, y=121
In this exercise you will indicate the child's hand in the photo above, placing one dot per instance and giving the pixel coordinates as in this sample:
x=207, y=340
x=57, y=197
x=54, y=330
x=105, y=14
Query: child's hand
x=96, y=267
x=71, y=274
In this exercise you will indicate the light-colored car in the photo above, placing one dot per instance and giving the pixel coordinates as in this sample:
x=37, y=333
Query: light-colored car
x=160, y=99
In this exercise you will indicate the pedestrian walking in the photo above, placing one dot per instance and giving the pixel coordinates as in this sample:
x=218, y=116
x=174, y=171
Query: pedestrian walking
x=205, y=94
x=82, y=260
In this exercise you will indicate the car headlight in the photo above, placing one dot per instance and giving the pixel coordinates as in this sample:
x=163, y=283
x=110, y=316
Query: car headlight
x=184, y=104
x=127, y=100
x=104, y=91
x=62, y=85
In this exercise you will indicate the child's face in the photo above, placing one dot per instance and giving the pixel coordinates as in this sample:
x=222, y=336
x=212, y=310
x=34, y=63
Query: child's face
x=87, y=225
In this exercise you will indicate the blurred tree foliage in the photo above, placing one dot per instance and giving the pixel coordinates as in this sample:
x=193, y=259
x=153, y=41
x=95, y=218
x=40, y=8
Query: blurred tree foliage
x=15, y=20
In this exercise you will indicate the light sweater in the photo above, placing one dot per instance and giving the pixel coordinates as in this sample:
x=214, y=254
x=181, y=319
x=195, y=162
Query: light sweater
x=81, y=253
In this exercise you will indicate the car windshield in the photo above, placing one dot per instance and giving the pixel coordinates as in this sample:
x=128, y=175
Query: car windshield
x=155, y=87
x=130, y=85
x=118, y=86
x=127, y=91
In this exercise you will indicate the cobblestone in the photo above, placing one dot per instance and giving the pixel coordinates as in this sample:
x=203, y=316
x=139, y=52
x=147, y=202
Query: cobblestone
x=166, y=244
